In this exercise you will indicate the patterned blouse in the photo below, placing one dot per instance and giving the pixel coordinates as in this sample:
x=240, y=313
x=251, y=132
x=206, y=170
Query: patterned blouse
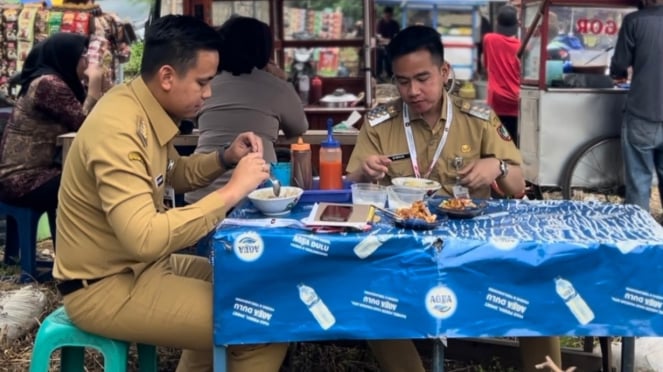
x=29, y=156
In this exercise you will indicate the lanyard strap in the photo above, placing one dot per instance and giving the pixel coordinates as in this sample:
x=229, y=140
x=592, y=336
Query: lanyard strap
x=412, y=147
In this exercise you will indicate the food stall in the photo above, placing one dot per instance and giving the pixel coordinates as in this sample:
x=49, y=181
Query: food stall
x=458, y=21
x=25, y=23
x=570, y=110
x=329, y=41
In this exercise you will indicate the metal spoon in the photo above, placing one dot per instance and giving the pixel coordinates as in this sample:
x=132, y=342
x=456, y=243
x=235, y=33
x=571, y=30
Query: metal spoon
x=276, y=186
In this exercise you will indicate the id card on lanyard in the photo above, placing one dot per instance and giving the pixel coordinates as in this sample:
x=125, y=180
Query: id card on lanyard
x=412, y=148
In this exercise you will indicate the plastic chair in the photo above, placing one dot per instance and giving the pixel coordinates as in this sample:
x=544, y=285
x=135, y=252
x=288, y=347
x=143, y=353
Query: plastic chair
x=58, y=332
x=21, y=240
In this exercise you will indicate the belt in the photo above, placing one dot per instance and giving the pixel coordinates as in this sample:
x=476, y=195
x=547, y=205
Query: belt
x=69, y=286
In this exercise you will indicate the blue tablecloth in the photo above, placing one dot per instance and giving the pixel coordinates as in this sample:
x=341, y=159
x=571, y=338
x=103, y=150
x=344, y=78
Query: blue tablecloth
x=542, y=268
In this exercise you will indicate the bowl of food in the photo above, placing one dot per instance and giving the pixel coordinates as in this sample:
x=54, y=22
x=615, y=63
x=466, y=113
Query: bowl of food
x=271, y=205
x=403, y=197
x=369, y=193
x=429, y=186
x=459, y=207
x=416, y=216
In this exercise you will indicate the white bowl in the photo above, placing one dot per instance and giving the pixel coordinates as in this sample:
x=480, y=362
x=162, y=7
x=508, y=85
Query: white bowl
x=429, y=186
x=270, y=205
x=403, y=197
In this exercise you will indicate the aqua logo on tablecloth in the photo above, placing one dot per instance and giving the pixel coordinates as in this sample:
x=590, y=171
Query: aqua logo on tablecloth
x=248, y=246
x=441, y=302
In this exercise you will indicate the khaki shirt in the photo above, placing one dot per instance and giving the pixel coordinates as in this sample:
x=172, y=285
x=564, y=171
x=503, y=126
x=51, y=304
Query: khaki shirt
x=111, y=215
x=475, y=133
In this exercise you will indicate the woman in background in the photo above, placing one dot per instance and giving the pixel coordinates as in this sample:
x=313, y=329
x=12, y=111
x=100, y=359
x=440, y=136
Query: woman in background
x=52, y=101
x=249, y=94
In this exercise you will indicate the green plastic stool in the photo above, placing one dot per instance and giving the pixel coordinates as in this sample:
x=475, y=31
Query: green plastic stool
x=58, y=332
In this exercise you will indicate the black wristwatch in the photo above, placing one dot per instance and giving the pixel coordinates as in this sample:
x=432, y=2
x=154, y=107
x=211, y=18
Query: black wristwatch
x=222, y=160
x=504, y=169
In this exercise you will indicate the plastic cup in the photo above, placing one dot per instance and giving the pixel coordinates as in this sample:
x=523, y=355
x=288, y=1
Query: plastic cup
x=403, y=197
x=282, y=172
x=369, y=193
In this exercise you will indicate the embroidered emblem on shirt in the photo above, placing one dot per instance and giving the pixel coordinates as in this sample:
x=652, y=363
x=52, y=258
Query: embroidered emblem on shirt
x=159, y=180
x=141, y=130
x=503, y=133
x=465, y=148
x=135, y=156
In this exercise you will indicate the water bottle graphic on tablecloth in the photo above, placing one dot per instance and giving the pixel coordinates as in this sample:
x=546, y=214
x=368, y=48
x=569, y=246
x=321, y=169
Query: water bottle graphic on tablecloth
x=315, y=305
x=369, y=245
x=576, y=304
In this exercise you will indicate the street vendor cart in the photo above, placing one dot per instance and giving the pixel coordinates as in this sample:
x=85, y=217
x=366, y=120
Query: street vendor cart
x=570, y=110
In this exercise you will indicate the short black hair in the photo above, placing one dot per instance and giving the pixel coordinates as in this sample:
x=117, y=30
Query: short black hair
x=175, y=40
x=388, y=10
x=246, y=43
x=415, y=38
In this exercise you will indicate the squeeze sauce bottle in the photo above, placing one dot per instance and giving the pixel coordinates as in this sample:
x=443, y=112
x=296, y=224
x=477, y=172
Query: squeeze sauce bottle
x=316, y=90
x=301, y=166
x=331, y=162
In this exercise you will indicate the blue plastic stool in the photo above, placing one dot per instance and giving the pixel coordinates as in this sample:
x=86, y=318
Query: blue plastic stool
x=21, y=240
x=58, y=332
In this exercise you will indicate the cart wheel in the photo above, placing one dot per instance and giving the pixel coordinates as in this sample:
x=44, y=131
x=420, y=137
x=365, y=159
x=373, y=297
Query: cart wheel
x=597, y=168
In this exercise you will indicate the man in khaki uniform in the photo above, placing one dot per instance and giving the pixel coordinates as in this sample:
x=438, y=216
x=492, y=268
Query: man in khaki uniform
x=449, y=140
x=116, y=239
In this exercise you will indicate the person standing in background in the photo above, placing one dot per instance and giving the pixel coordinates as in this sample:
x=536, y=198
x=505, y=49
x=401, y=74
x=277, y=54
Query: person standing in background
x=386, y=29
x=503, y=67
x=640, y=47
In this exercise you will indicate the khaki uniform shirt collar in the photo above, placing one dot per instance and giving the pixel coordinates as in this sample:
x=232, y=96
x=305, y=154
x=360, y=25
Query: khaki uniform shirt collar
x=163, y=124
x=443, y=112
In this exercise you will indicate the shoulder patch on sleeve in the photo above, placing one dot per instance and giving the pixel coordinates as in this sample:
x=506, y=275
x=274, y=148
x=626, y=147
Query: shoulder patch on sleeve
x=477, y=109
x=503, y=133
x=382, y=113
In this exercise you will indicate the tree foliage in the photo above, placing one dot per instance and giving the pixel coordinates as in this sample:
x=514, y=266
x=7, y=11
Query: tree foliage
x=132, y=68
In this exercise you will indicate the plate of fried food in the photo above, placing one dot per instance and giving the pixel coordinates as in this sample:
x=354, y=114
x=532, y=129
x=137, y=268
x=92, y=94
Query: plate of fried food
x=416, y=217
x=458, y=207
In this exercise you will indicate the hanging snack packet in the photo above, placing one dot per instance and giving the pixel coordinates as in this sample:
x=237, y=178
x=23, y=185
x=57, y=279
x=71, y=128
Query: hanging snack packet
x=41, y=25
x=10, y=22
x=11, y=50
x=24, y=48
x=54, y=22
x=26, y=23
x=82, y=23
x=68, y=20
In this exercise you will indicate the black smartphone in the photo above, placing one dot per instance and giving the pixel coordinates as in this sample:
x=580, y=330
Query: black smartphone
x=336, y=213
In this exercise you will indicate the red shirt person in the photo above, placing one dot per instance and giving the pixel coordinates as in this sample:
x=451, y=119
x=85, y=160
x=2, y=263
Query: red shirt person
x=503, y=68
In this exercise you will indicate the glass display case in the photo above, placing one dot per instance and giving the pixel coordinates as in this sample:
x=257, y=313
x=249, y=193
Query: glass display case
x=570, y=110
x=579, y=38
